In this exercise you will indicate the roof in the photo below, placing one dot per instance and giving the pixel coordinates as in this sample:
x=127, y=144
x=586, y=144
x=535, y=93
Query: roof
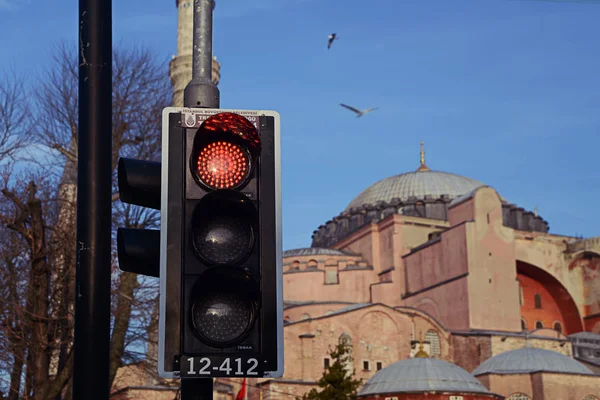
x=351, y=307
x=417, y=184
x=585, y=335
x=528, y=360
x=422, y=375
x=314, y=251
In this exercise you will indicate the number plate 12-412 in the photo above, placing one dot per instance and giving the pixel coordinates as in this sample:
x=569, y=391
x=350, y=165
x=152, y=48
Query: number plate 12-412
x=235, y=366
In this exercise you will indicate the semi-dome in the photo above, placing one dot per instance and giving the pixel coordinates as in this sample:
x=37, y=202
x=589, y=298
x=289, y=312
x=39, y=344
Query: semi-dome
x=528, y=360
x=422, y=375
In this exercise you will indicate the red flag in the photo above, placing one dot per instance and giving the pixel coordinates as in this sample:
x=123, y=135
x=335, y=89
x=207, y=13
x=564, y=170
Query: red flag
x=242, y=393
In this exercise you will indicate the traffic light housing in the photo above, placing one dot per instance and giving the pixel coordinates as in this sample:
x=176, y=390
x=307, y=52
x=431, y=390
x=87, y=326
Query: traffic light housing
x=221, y=302
x=139, y=184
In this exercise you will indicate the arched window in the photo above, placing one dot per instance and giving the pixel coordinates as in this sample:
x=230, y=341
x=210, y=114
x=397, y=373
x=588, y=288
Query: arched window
x=294, y=266
x=518, y=396
x=557, y=327
x=304, y=317
x=538, y=325
x=345, y=338
x=311, y=264
x=538, y=300
x=520, y=294
x=591, y=397
x=523, y=325
x=434, y=343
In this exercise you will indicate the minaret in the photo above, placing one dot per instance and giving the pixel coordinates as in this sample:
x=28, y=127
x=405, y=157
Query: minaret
x=180, y=68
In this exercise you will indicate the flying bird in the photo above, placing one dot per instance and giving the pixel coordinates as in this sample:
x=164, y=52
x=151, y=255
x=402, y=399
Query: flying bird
x=359, y=113
x=332, y=37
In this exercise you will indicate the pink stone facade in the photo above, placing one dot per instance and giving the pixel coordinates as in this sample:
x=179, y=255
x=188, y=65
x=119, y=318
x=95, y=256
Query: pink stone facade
x=547, y=386
x=465, y=286
x=465, y=275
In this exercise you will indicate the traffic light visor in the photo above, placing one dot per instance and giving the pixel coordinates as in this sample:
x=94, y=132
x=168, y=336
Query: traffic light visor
x=224, y=151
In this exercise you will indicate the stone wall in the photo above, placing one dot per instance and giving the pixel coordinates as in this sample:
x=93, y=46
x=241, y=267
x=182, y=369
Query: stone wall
x=544, y=385
x=308, y=342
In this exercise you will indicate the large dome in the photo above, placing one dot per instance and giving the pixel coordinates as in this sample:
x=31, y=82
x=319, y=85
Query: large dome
x=417, y=184
x=422, y=375
x=528, y=360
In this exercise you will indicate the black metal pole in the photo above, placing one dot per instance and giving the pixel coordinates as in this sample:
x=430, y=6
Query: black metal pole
x=196, y=389
x=92, y=296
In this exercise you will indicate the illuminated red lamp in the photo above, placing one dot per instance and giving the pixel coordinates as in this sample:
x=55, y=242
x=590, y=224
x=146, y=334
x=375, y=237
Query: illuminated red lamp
x=224, y=152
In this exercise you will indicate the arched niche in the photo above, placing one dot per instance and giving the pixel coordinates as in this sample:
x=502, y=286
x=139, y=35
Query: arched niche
x=558, y=293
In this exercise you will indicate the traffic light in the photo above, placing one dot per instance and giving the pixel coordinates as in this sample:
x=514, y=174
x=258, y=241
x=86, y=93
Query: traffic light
x=221, y=302
x=139, y=184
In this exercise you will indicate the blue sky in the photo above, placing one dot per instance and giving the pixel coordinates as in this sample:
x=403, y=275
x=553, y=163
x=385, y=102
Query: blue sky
x=503, y=91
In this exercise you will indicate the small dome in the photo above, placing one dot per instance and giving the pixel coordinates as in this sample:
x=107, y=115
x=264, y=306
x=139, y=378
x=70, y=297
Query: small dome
x=314, y=251
x=418, y=184
x=422, y=375
x=528, y=360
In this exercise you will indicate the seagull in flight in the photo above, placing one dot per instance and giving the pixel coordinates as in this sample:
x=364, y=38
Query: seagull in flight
x=332, y=37
x=359, y=113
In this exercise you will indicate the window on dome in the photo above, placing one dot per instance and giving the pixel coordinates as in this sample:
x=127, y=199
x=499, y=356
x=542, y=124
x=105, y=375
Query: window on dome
x=538, y=325
x=434, y=342
x=557, y=327
x=294, y=266
x=538, y=300
x=331, y=275
x=591, y=397
x=304, y=317
x=312, y=264
x=518, y=396
x=420, y=209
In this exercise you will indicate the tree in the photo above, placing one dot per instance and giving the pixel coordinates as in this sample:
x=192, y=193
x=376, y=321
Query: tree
x=37, y=220
x=14, y=132
x=337, y=382
x=141, y=89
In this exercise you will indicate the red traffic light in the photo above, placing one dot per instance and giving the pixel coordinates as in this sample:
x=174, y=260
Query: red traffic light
x=224, y=151
x=222, y=165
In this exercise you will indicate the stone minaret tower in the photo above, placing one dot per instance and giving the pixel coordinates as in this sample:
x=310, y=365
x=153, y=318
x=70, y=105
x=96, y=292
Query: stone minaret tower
x=181, y=66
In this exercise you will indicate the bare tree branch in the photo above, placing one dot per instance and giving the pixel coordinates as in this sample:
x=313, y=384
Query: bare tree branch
x=15, y=123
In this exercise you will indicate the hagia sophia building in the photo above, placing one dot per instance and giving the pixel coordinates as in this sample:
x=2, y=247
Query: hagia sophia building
x=443, y=288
